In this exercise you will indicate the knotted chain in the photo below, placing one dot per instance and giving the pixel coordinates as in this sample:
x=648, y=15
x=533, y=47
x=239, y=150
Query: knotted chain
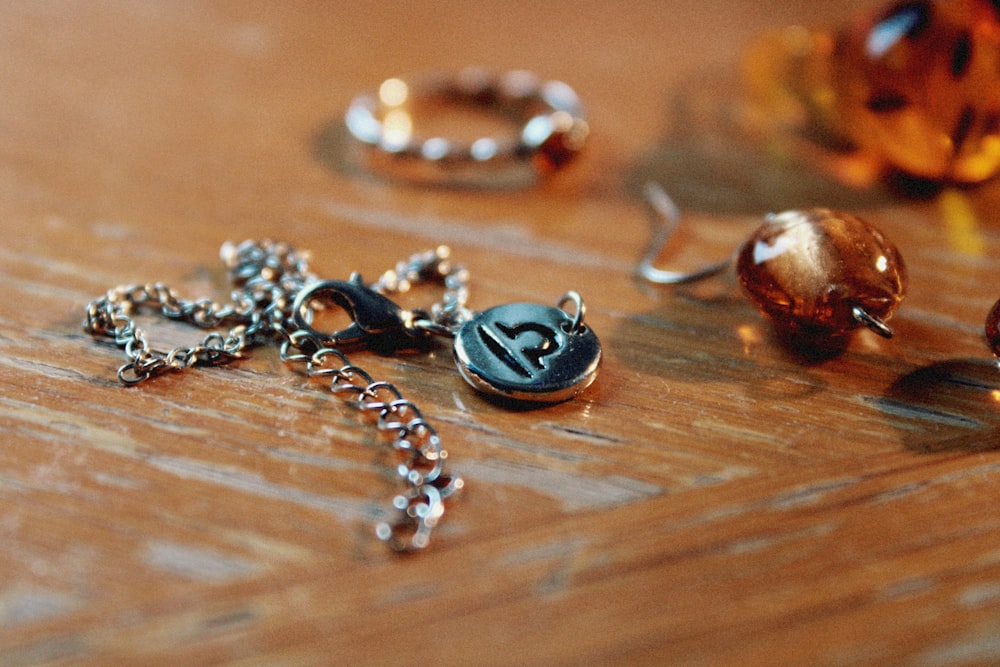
x=267, y=276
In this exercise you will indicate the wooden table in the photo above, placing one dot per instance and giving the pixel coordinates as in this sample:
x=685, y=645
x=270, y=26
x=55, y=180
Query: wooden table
x=711, y=499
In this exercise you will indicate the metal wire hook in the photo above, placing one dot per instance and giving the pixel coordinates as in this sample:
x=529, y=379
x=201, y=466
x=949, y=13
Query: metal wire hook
x=664, y=218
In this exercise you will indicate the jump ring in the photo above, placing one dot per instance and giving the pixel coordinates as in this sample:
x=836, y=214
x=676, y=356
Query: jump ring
x=581, y=309
x=549, y=127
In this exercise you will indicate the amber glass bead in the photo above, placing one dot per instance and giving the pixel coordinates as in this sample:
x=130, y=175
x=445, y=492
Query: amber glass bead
x=919, y=83
x=810, y=271
x=993, y=329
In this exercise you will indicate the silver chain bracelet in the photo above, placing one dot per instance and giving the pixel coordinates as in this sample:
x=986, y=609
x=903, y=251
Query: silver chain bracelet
x=524, y=351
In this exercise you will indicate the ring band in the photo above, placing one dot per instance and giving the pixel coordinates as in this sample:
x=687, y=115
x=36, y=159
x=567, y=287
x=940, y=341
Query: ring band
x=548, y=125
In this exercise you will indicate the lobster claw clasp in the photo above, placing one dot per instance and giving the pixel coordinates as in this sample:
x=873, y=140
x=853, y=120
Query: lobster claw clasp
x=376, y=320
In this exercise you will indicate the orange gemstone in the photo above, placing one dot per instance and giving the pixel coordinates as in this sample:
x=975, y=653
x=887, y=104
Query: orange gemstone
x=810, y=271
x=993, y=329
x=919, y=84
x=554, y=139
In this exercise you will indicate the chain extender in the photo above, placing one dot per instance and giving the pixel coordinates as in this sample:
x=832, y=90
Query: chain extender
x=267, y=276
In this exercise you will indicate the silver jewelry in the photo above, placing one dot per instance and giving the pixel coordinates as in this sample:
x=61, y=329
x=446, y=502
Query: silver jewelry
x=549, y=127
x=518, y=352
x=493, y=353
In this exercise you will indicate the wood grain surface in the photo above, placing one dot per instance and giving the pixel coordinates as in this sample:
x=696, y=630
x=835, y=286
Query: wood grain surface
x=712, y=499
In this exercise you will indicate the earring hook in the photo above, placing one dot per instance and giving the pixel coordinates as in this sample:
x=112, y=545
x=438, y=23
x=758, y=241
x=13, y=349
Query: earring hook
x=664, y=218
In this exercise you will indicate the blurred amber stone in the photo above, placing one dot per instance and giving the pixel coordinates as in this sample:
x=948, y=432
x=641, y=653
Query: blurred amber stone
x=916, y=85
x=920, y=83
x=788, y=78
x=809, y=271
x=993, y=329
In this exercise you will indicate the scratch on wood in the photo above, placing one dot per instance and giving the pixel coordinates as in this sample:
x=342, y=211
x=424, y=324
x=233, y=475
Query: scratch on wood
x=557, y=580
x=764, y=542
x=908, y=588
x=980, y=595
x=572, y=490
x=467, y=422
x=345, y=509
x=29, y=605
x=583, y=434
x=913, y=411
x=118, y=481
x=542, y=552
x=983, y=471
x=512, y=239
x=53, y=371
x=197, y=563
x=808, y=495
x=978, y=649
x=405, y=592
x=898, y=492
x=224, y=622
x=46, y=651
x=313, y=460
x=557, y=559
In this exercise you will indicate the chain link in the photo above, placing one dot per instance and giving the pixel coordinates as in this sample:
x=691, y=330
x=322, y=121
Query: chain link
x=445, y=316
x=421, y=466
x=266, y=276
x=112, y=317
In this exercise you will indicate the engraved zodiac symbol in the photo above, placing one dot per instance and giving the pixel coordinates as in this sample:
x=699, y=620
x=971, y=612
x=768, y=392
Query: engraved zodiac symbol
x=521, y=352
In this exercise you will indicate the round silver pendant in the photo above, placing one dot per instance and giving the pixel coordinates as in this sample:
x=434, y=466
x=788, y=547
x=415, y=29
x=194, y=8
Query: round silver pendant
x=528, y=352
